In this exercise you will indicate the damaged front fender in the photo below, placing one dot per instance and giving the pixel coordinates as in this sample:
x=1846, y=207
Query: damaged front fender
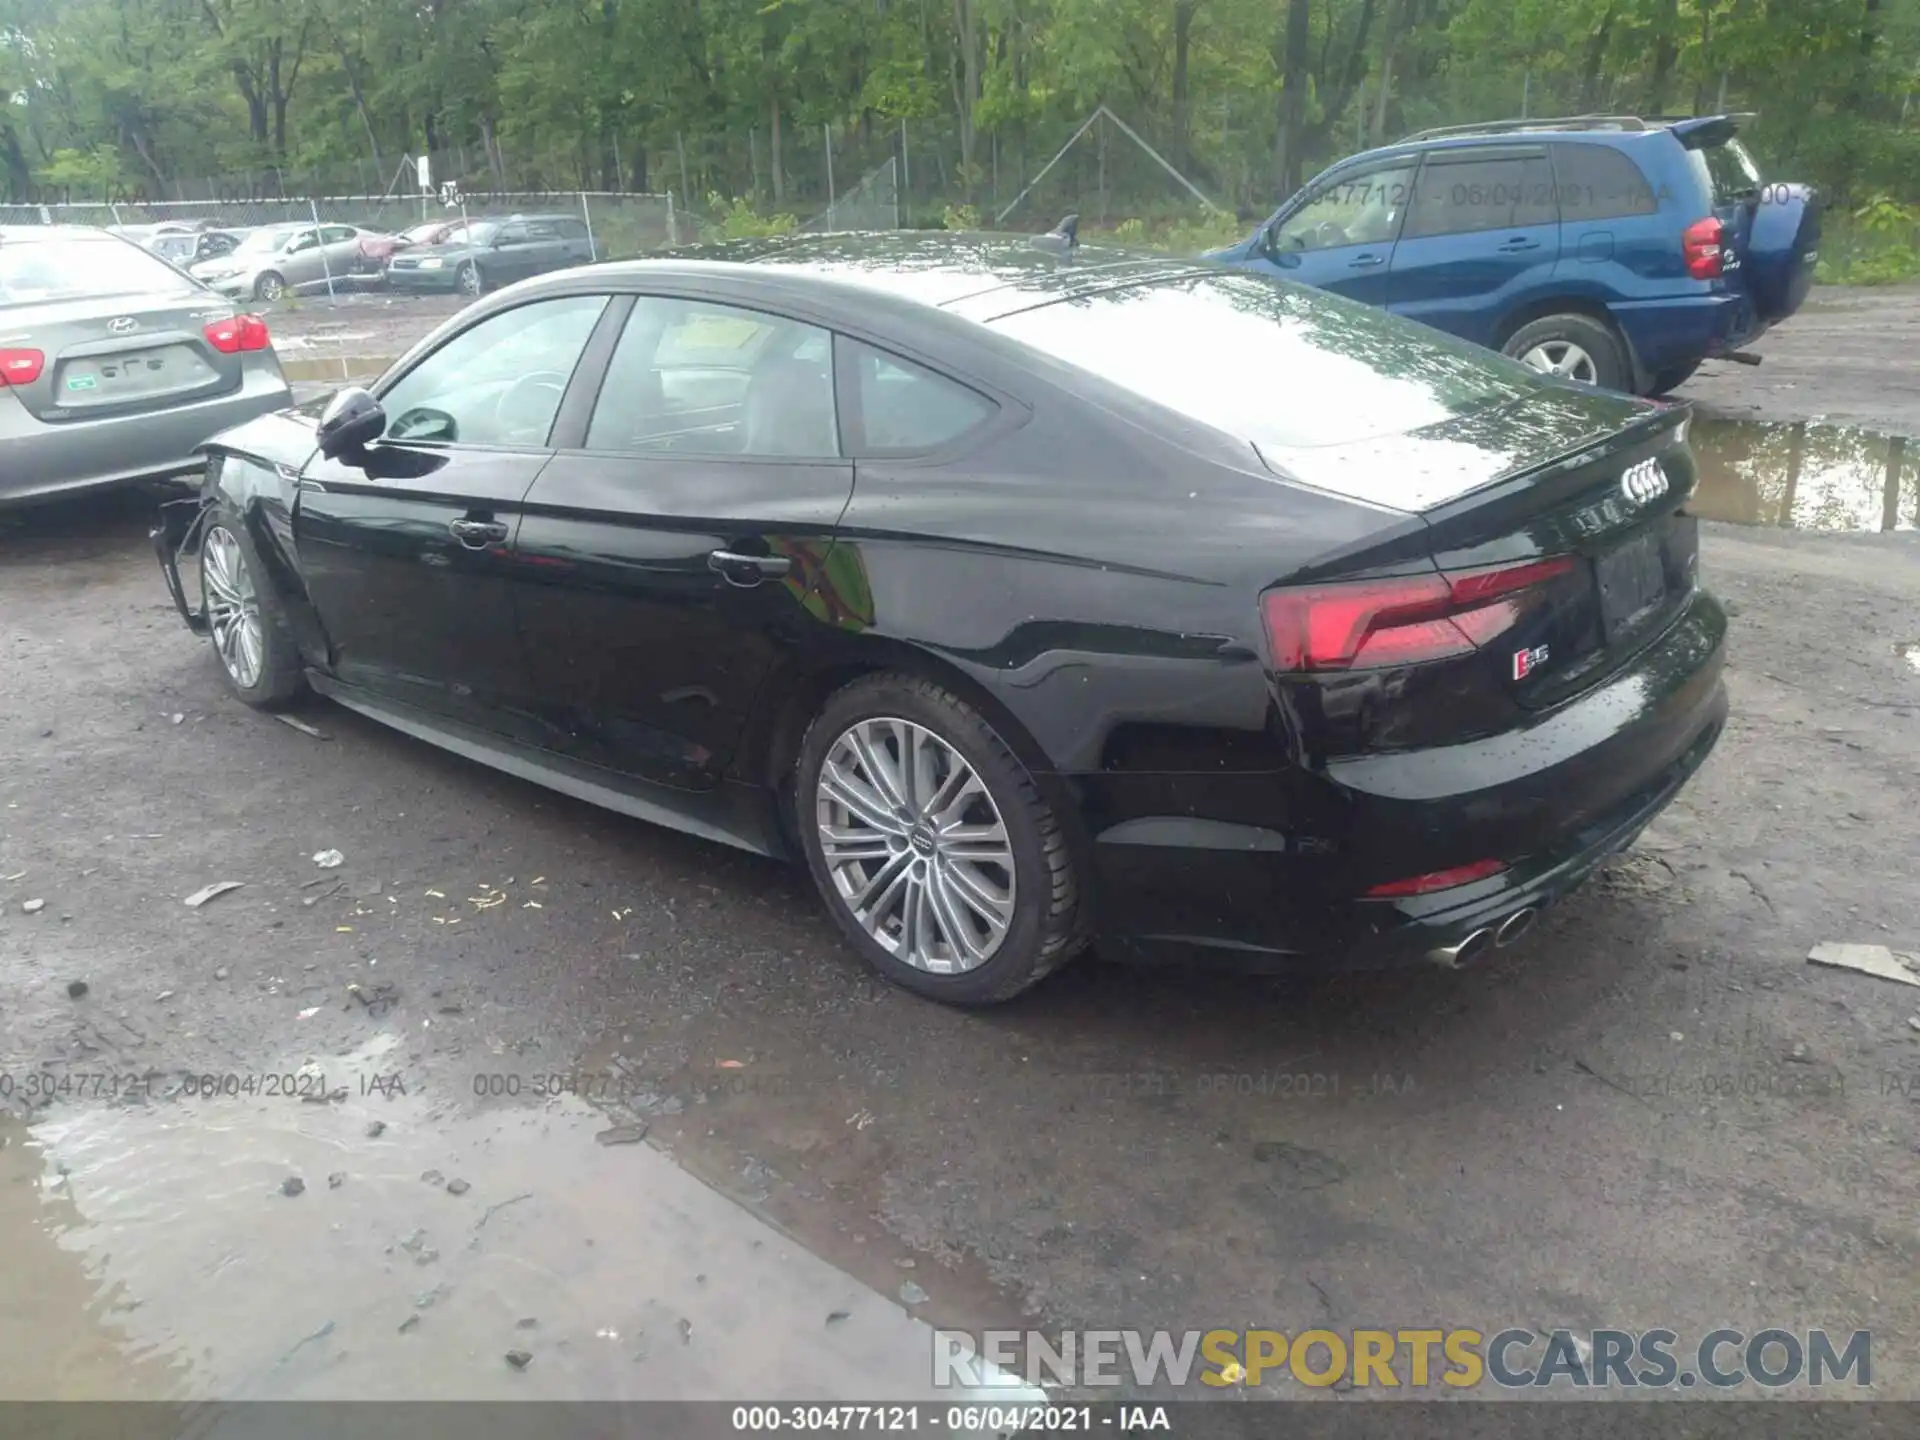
x=182, y=523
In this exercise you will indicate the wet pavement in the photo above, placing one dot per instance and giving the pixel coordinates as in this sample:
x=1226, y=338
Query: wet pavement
x=194, y=1242
x=1652, y=1112
x=1805, y=476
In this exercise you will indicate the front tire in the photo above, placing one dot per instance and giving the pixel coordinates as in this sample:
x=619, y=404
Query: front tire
x=1573, y=347
x=251, y=638
x=941, y=861
x=269, y=287
x=468, y=279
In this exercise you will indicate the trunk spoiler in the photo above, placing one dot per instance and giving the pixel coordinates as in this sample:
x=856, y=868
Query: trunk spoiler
x=1706, y=131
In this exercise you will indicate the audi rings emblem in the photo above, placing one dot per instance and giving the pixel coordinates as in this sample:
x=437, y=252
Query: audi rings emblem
x=1644, y=483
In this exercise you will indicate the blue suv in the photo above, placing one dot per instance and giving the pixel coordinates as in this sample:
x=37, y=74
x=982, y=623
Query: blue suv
x=1613, y=250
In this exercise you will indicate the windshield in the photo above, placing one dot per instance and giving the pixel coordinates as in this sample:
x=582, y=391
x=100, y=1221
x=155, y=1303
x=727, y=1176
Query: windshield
x=1273, y=364
x=32, y=271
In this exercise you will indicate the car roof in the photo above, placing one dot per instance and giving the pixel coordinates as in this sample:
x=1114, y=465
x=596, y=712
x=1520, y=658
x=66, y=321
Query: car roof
x=976, y=276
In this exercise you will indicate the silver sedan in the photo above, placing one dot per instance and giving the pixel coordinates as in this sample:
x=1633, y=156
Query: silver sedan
x=114, y=365
x=275, y=259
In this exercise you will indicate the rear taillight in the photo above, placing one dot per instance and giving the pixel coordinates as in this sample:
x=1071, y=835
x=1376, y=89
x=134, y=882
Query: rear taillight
x=1701, y=245
x=238, y=333
x=1437, y=880
x=20, y=367
x=1372, y=624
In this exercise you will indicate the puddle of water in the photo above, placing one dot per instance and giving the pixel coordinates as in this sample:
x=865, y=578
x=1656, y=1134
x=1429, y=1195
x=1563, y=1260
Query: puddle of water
x=152, y=1253
x=338, y=368
x=1805, y=476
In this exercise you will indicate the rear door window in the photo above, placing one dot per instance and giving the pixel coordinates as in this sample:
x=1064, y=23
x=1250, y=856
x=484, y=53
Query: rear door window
x=694, y=378
x=1597, y=182
x=1465, y=192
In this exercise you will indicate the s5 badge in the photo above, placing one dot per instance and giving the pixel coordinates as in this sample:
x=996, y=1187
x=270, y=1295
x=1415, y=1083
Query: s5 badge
x=1525, y=662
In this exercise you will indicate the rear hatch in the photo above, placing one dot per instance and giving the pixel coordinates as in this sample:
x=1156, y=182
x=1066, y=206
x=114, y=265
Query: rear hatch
x=1770, y=230
x=95, y=326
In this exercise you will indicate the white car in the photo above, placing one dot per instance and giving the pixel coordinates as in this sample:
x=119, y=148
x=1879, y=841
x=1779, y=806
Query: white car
x=277, y=258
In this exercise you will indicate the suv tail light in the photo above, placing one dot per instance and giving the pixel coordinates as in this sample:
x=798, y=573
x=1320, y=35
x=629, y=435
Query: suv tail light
x=238, y=333
x=1701, y=245
x=1372, y=624
x=20, y=367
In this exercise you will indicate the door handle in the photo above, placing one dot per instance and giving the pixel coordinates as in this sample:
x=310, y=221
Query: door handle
x=477, y=534
x=747, y=570
x=1365, y=260
x=1519, y=242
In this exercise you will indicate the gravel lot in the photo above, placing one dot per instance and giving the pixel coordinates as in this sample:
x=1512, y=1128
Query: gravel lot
x=1652, y=1113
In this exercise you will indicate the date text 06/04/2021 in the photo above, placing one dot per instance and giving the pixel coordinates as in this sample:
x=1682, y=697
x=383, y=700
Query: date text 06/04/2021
x=44, y=1087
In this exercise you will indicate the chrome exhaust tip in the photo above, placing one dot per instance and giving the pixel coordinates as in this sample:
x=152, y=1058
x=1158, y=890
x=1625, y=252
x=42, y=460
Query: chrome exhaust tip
x=1462, y=953
x=1515, y=925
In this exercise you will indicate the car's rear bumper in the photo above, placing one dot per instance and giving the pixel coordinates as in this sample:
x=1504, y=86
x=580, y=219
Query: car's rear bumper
x=1681, y=329
x=45, y=462
x=1552, y=801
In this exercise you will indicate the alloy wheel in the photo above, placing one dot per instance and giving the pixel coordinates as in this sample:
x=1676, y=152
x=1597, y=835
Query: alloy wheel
x=916, y=846
x=233, y=608
x=271, y=288
x=469, y=280
x=1564, y=359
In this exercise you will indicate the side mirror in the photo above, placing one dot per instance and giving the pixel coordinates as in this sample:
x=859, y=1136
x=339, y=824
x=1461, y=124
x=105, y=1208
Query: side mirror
x=352, y=421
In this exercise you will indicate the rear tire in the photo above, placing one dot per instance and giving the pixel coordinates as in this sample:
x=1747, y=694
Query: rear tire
x=1573, y=347
x=950, y=874
x=1667, y=381
x=252, y=640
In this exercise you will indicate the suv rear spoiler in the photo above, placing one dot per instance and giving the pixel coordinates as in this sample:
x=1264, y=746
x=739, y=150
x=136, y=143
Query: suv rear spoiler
x=1706, y=131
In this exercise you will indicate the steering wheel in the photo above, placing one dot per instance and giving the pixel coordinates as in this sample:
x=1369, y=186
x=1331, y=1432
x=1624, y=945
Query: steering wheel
x=1327, y=235
x=515, y=417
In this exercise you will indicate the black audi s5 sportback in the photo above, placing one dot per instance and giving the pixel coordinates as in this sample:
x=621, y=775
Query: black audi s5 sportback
x=1030, y=597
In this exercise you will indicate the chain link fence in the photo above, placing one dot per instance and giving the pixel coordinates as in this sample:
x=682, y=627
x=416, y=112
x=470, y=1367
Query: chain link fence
x=621, y=225
x=872, y=204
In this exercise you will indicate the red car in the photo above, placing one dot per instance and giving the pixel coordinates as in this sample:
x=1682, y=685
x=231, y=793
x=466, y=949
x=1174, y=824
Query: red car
x=376, y=250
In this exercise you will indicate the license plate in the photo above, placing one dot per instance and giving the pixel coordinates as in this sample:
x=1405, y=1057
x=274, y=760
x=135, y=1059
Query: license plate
x=134, y=369
x=1633, y=579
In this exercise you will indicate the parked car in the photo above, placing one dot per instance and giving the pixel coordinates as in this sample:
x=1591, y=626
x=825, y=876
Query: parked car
x=490, y=253
x=277, y=258
x=114, y=365
x=1174, y=606
x=377, y=248
x=187, y=248
x=1613, y=250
